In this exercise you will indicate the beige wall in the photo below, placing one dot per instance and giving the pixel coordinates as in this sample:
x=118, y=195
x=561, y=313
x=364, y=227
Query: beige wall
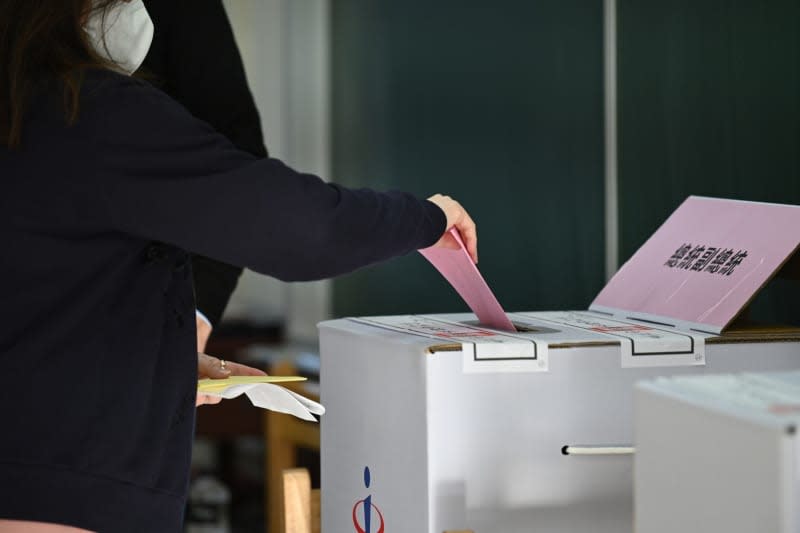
x=284, y=45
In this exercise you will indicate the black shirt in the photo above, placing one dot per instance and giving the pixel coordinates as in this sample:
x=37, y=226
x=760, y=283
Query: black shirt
x=97, y=345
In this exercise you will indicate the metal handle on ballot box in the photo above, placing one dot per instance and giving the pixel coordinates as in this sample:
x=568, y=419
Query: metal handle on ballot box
x=603, y=449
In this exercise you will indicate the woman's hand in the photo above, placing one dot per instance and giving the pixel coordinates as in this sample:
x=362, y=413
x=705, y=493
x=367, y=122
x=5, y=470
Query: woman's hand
x=203, y=333
x=457, y=217
x=209, y=366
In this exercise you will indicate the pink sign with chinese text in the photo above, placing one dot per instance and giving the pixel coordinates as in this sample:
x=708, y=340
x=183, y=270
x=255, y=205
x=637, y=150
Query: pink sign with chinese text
x=704, y=264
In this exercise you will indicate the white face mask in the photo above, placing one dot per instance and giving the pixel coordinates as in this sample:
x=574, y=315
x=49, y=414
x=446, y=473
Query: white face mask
x=123, y=35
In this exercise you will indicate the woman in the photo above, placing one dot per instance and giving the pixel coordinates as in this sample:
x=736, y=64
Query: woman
x=105, y=184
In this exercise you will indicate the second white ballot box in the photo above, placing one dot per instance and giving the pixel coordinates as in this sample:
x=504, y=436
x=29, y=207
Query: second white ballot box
x=718, y=454
x=435, y=423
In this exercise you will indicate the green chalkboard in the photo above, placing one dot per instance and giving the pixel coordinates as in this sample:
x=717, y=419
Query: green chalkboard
x=709, y=104
x=496, y=104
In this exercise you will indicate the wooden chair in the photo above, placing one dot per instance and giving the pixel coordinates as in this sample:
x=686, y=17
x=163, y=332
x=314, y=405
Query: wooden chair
x=284, y=435
x=301, y=504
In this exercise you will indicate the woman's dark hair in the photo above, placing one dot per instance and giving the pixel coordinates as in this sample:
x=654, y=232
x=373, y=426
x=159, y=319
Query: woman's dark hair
x=40, y=41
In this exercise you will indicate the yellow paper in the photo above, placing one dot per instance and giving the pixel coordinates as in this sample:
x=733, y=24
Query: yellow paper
x=215, y=385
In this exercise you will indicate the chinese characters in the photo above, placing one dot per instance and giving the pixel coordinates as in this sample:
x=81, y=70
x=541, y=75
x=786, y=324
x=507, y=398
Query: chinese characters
x=703, y=258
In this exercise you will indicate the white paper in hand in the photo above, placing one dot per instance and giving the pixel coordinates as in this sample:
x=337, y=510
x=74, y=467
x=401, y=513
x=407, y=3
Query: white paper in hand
x=267, y=396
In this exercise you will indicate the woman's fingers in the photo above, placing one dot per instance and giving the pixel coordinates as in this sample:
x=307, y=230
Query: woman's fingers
x=457, y=217
x=237, y=369
x=212, y=367
x=205, y=399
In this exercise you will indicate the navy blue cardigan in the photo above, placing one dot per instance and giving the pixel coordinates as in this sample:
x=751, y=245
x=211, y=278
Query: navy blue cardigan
x=97, y=341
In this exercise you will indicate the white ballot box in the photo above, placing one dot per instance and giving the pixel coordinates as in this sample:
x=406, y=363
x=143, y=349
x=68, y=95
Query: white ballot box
x=718, y=454
x=436, y=423
x=464, y=427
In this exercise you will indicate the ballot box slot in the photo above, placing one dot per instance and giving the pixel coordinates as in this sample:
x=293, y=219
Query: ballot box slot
x=521, y=327
x=647, y=321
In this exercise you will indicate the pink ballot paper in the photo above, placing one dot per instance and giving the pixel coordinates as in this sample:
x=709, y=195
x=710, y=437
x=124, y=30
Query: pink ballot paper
x=457, y=267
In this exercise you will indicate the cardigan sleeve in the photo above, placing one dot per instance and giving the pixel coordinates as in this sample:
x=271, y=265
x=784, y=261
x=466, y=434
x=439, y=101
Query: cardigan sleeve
x=170, y=177
x=187, y=34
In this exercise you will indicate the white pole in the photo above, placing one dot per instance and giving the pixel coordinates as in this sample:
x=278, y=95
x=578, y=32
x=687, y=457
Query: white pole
x=611, y=152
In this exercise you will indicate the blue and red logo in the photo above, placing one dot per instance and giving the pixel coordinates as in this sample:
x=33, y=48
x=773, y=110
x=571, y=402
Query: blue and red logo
x=363, y=520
